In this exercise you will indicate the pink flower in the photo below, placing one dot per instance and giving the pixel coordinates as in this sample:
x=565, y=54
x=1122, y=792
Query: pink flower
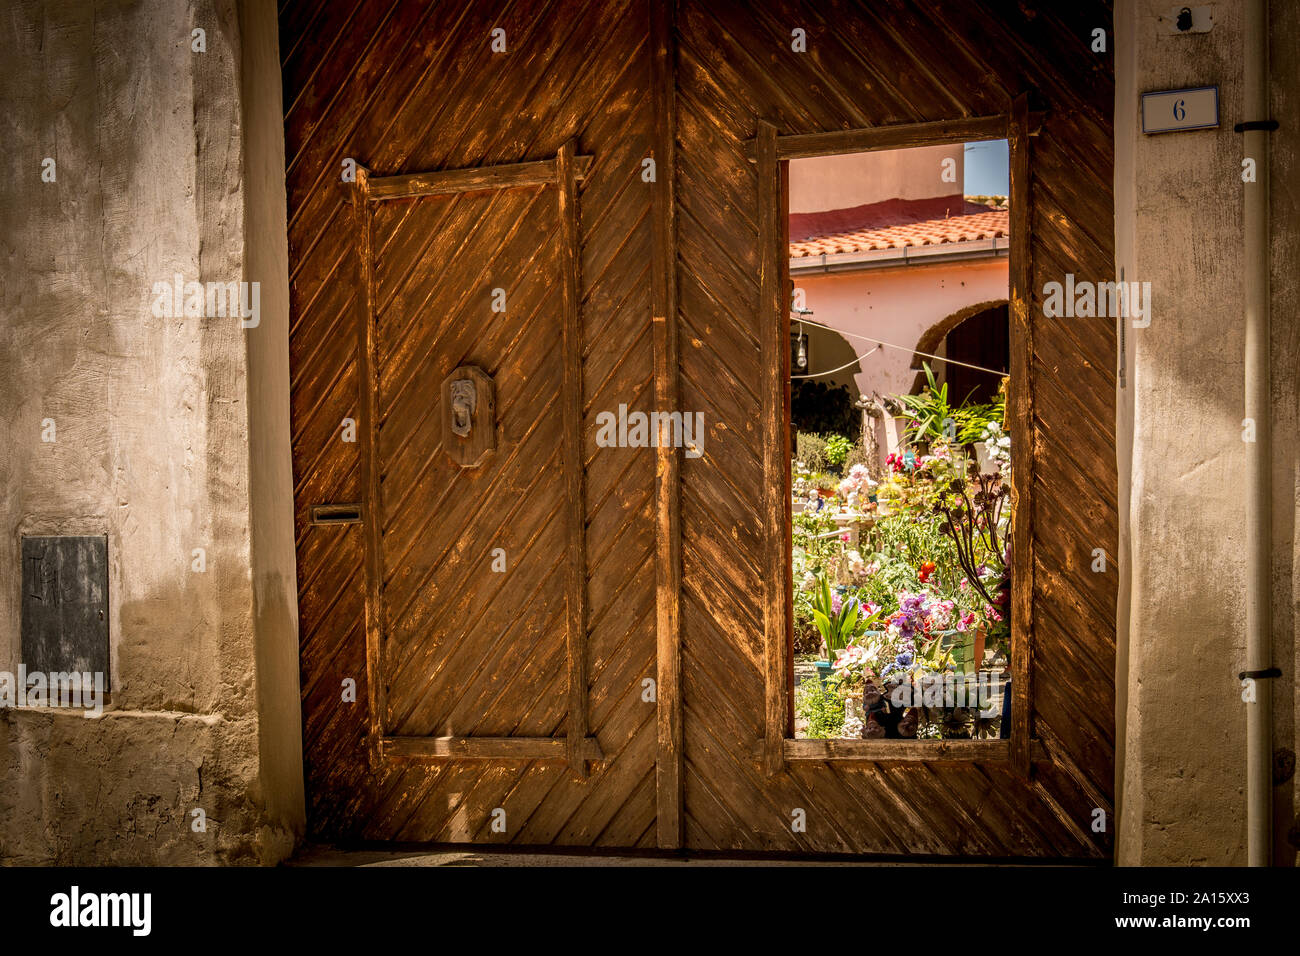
x=845, y=537
x=848, y=657
x=940, y=613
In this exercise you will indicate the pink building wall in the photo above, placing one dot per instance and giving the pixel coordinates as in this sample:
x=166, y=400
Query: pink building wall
x=893, y=305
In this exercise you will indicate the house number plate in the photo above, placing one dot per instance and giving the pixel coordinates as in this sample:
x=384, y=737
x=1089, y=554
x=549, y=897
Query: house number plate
x=1173, y=110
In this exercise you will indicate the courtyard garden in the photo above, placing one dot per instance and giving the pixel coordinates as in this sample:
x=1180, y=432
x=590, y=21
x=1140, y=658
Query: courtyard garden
x=901, y=576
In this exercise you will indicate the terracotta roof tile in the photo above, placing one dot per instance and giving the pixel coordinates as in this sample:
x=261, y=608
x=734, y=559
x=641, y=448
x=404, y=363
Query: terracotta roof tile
x=894, y=224
x=878, y=215
x=929, y=232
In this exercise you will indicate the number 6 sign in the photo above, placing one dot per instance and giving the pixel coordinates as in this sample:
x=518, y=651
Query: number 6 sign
x=1170, y=110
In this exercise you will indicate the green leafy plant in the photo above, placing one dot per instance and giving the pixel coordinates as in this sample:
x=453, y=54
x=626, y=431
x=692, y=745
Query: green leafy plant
x=931, y=412
x=810, y=449
x=913, y=539
x=807, y=639
x=815, y=547
x=839, y=625
x=821, y=707
x=837, y=450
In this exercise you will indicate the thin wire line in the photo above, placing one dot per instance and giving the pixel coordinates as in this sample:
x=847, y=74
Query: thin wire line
x=841, y=368
x=901, y=348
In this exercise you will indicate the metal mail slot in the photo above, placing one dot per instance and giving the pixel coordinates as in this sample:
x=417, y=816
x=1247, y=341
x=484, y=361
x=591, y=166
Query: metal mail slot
x=336, y=514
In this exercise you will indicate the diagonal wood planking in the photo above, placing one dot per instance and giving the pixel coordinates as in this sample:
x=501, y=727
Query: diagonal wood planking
x=405, y=87
x=867, y=64
x=408, y=87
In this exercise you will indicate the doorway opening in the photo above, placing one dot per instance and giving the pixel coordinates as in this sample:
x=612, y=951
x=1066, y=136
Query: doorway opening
x=900, y=474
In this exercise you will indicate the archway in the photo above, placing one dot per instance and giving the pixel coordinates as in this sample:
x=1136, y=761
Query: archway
x=975, y=336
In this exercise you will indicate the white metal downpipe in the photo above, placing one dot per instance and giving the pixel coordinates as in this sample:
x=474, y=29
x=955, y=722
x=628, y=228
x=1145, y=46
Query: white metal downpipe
x=1259, y=715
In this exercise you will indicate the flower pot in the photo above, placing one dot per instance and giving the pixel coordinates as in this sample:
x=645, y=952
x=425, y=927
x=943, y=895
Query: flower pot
x=824, y=670
x=967, y=648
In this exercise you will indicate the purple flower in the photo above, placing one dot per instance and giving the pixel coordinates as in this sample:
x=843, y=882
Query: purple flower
x=910, y=617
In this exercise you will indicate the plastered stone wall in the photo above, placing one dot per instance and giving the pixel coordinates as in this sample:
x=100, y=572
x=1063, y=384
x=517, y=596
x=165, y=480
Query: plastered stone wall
x=158, y=445
x=1182, y=722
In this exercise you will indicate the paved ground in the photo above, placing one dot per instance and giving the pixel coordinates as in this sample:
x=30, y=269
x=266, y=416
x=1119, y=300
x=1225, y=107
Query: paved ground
x=323, y=855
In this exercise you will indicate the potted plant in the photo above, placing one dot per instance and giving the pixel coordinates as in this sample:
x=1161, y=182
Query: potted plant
x=838, y=620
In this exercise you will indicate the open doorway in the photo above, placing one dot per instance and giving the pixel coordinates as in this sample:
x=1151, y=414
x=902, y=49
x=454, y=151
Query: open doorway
x=900, y=478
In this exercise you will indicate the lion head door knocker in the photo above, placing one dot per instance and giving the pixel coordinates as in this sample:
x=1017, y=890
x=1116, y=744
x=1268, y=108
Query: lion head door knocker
x=464, y=399
x=468, y=415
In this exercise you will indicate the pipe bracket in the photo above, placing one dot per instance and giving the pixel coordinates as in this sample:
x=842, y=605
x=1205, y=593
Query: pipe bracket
x=1269, y=673
x=1267, y=125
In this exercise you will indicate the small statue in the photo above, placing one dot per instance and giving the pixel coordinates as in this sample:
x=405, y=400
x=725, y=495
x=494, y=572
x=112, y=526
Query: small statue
x=872, y=729
x=870, y=696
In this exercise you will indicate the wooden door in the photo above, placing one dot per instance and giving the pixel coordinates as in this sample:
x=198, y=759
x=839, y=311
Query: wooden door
x=884, y=74
x=621, y=683
x=498, y=220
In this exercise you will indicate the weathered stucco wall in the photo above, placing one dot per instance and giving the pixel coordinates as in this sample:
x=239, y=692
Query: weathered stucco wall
x=896, y=306
x=1179, y=227
x=171, y=432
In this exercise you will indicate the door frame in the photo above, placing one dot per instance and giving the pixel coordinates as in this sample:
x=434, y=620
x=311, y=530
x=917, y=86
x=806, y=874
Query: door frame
x=578, y=748
x=771, y=153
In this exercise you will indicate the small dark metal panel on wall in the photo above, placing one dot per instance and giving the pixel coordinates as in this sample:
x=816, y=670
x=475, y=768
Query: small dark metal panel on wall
x=65, y=604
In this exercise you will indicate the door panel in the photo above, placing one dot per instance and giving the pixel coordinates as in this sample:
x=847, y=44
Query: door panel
x=868, y=65
x=469, y=653
x=469, y=650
